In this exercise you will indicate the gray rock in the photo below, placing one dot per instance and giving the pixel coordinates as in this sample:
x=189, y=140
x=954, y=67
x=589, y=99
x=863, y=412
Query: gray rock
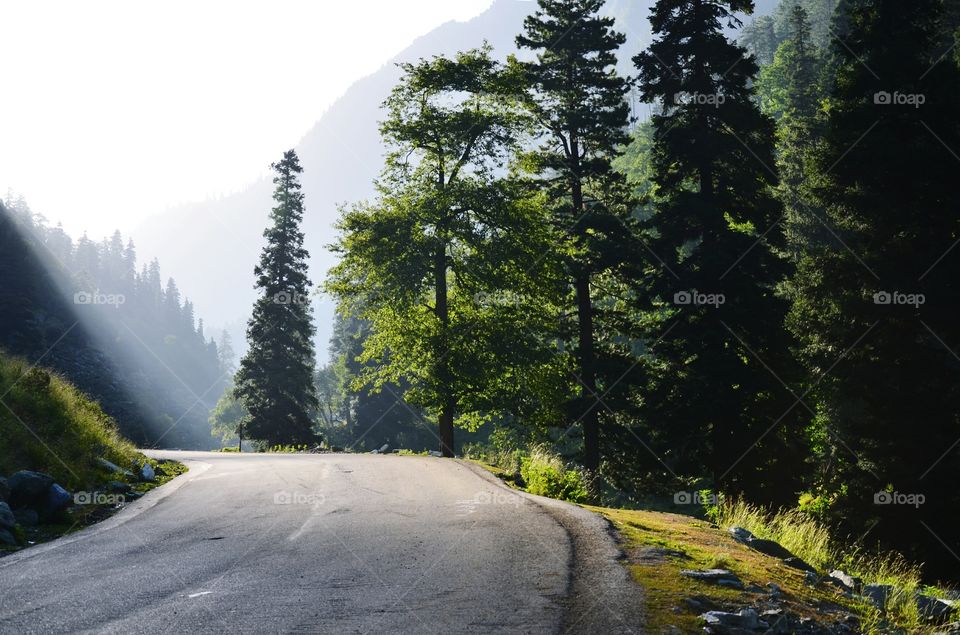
x=4, y=490
x=878, y=594
x=384, y=448
x=934, y=609
x=118, y=487
x=57, y=499
x=27, y=488
x=770, y=547
x=745, y=618
x=7, y=519
x=722, y=577
x=797, y=563
x=845, y=580
x=740, y=534
x=147, y=474
x=27, y=517
x=113, y=467
x=6, y=538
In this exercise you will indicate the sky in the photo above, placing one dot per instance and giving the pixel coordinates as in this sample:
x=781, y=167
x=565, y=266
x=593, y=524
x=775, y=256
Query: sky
x=116, y=110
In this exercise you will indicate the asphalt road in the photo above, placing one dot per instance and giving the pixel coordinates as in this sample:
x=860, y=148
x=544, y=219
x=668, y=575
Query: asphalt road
x=335, y=543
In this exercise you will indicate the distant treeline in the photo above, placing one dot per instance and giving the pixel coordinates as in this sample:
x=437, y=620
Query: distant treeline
x=118, y=332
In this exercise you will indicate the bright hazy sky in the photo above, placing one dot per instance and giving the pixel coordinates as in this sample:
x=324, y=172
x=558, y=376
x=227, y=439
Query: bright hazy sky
x=114, y=110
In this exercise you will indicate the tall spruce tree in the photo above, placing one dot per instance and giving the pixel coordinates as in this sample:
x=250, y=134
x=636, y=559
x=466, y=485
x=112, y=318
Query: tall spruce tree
x=716, y=396
x=875, y=305
x=275, y=378
x=579, y=102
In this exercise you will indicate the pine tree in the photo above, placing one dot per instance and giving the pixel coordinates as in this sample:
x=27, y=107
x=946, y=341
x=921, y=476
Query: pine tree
x=874, y=304
x=226, y=354
x=579, y=101
x=275, y=379
x=716, y=396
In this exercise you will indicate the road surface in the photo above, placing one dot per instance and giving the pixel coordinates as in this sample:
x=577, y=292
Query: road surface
x=326, y=543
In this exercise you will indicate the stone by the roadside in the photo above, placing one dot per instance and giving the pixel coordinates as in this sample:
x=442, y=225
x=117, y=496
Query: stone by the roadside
x=56, y=500
x=934, y=609
x=147, y=474
x=740, y=534
x=113, y=467
x=27, y=517
x=797, y=563
x=745, y=618
x=878, y=594
x=6, y=538
x=28, y=488
x=7, y=519
x=845, y=580
x=722, y=577
x=118, y=487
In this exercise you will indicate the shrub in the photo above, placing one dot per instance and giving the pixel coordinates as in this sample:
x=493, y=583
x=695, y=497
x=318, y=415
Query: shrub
x=545, y=474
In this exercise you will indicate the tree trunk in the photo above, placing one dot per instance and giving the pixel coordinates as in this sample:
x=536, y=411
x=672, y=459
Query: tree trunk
x=448, y=403
x=588, y=391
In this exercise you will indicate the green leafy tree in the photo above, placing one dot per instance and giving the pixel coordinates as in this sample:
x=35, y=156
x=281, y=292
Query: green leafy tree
x=227, y=417
x=715, y=392
x=444, y=233
x=874, y=302
x=578, y=102
x=275, y=378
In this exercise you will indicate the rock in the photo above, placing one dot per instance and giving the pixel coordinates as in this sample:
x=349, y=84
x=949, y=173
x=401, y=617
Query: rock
x=740, y=534
x=6, y=538
x=878, y=594
x=147, y=474
x=770, y=547
x=118, y=487
x=797, y=563
x=746, y=619
x=113, y=467
x=845, y=580
x=774, y=587
x=28, y=488
x=56, y=500
x=27, y=517
x=722, y=577
x=383, y=448
x=4, y=490
x=435, y=453
x=934, y=609
x=7, y=519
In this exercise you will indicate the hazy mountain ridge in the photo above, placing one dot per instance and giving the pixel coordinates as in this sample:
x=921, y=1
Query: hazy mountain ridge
x=341, y=156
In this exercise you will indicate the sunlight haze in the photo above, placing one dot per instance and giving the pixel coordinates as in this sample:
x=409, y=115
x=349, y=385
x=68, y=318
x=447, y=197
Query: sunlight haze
x=114, y=110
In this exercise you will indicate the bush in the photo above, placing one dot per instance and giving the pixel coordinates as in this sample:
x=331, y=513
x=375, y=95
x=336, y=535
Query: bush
x=545, y=474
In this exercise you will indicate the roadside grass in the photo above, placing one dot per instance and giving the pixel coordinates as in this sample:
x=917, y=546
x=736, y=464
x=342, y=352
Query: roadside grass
x=660, y=544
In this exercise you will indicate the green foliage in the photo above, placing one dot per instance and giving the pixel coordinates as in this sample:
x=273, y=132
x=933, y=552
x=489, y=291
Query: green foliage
x=226, y=417
x=49, y=426
x=275, y=382
x=545, y=474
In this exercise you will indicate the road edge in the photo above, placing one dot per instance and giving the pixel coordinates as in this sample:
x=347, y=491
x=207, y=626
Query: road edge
x=603, y=598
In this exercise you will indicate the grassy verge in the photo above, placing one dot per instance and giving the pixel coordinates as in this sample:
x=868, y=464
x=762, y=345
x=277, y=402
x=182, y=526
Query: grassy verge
x=47, y=425
x=659, y=545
